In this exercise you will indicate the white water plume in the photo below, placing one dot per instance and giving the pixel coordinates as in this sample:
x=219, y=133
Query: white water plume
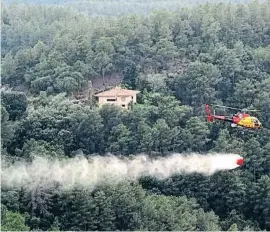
x=88, y=172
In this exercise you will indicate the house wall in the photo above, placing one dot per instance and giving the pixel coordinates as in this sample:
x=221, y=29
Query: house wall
x=103, y=100
x=134, y=98
x=120, y=101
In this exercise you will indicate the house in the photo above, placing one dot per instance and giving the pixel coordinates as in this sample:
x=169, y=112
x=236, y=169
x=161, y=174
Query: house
x=117, y=96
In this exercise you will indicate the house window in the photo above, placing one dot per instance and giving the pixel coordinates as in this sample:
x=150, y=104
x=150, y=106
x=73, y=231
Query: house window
x=110, y=100
x=123, y=98
x=123, y=106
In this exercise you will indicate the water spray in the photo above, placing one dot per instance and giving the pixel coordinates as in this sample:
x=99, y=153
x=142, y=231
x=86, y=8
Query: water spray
x=93, y=170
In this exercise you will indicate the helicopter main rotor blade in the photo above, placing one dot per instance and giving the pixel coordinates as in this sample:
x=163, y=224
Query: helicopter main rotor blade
x=227, y=107
x=237, y=108
x=253, y=110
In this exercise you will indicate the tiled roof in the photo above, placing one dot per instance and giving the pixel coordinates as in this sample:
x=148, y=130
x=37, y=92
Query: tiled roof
x=118, y=91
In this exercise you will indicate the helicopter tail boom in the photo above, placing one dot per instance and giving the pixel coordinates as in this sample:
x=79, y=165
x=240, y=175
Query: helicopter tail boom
x=208, y=112
x=211, y=117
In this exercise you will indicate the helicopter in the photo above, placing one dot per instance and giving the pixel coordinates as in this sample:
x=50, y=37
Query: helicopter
x=241, y=119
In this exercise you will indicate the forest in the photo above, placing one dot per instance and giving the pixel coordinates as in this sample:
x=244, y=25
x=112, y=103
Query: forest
x=94, y=8
x=179, y=60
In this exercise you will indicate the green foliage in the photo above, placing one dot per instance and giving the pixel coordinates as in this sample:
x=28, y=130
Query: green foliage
x=233, y=227
x=180, y=60
x=7, y=129
x=196, y=85
x=15, y=104
x=55, y=226
x=199, y=133
x=32, y=148
x=11, y=221
x=207, y=221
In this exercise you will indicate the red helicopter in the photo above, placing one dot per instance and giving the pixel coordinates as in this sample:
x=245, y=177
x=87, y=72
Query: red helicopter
x=237, y=120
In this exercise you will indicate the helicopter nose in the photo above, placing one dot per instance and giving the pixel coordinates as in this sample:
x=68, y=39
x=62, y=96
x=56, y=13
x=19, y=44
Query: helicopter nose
x=240, y=161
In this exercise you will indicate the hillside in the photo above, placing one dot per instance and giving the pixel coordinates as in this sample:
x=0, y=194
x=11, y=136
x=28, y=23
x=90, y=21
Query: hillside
x=95, y=8
x=179, y=61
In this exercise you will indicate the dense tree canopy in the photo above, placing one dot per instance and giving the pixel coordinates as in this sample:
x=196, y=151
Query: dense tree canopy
x=179, y=60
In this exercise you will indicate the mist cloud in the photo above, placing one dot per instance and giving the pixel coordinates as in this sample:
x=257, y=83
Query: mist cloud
x=90, y=171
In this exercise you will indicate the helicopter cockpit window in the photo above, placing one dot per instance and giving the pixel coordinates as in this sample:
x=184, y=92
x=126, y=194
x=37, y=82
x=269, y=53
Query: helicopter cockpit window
x=256, y=122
